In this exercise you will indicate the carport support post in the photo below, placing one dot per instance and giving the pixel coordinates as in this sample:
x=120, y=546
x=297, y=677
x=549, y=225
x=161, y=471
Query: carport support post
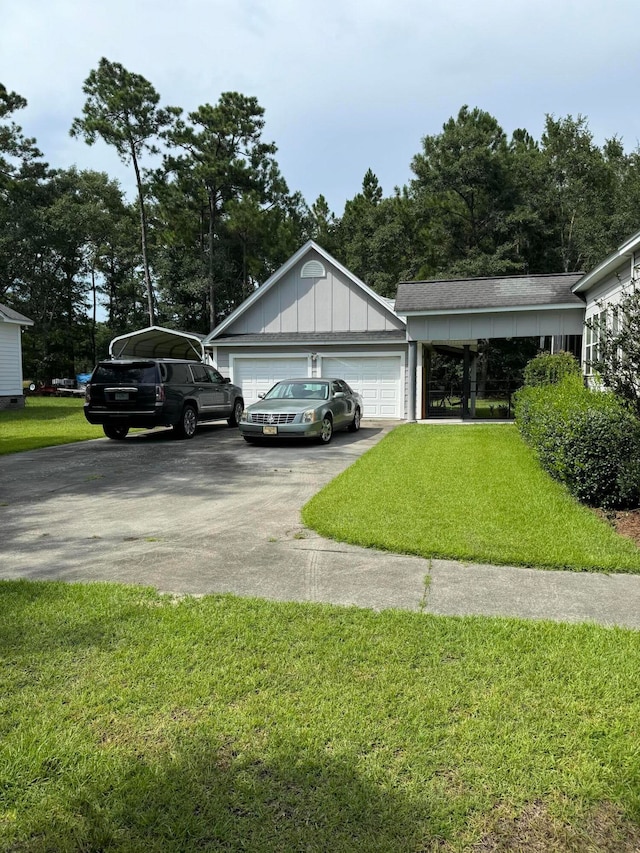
x=466, y=381
x=412, y=367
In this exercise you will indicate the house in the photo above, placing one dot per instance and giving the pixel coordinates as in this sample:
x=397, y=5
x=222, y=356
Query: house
x=603, y=287
x=11, y=325
x=313, y=317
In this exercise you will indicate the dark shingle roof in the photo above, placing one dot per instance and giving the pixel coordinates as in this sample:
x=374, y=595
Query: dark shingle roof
x=14, y=316
x=485, y=293
x=315, y=338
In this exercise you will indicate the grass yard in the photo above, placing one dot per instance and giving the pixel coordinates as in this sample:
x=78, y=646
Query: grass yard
x=470, y=492
x=44, y=422
x=135, y=722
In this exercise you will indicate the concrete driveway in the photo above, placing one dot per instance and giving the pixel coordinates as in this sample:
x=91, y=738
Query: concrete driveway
x=217, y=515
x=212, y=514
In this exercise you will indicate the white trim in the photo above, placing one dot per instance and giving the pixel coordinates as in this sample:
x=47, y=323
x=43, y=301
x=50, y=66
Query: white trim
x=270, y=282
x=311, y=344
x=626, y=250
x=495, y=310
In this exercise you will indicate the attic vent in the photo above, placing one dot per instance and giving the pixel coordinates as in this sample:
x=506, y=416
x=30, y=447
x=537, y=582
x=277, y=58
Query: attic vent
x=313, y=269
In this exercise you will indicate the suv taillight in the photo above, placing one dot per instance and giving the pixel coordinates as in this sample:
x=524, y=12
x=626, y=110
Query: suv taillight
x=87, y=393
x=159, y=393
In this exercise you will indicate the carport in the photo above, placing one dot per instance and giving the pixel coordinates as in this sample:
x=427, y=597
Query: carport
x=158, y=342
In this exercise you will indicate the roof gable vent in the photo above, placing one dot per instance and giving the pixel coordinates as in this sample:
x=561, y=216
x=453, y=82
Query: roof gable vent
x=313, y=269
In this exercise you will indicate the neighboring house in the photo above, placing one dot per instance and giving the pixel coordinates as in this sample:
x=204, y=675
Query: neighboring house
x=315, y=318
x=603, y=287
x=11, y=325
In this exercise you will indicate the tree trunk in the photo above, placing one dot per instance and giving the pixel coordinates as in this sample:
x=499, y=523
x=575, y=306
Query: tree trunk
x=143, y=234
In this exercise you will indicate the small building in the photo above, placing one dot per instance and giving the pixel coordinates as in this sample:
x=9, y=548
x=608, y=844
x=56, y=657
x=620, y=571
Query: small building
x=11, y=382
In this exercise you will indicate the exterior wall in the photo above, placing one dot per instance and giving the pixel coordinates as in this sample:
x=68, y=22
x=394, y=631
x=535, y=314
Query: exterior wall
x=10, y=360
x=606, y=293
x=507, y=324
x=329, y=304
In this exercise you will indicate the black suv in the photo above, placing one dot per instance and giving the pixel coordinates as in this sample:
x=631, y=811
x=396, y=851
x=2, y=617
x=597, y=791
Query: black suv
x=150, y=392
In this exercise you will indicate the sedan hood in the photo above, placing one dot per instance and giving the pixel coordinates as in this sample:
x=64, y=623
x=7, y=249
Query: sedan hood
x=280, y=405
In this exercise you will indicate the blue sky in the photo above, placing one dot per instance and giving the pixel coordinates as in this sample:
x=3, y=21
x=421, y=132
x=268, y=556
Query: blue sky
x=346, y=85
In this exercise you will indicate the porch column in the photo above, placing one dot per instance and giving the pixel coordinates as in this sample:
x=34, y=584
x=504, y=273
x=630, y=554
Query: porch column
x=412, y=367
x=474, y=383
x=466, y=381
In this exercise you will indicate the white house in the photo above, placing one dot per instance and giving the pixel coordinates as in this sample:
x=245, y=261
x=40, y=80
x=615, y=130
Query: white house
x=11, y=325
x=603, y=287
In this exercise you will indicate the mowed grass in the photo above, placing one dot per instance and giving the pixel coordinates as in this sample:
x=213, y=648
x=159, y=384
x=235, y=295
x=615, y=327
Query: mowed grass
x=130, y=721
x=44, y=422
x=469, y=492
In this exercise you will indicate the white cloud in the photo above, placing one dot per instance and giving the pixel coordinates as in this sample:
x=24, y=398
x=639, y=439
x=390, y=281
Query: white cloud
x=346, y=84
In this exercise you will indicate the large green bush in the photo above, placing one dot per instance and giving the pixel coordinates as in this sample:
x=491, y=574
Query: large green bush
x=550, y=368
x=589, y=440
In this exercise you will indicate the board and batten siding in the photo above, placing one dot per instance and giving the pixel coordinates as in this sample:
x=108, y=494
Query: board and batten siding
x=10, y=360
x=507, y=324
x=332, y=303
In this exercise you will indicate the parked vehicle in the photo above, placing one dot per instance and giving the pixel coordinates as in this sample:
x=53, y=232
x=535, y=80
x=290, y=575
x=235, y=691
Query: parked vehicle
x=302, y=408
x=149, y=392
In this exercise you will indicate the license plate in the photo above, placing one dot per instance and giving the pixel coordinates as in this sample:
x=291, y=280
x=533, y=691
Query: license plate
x=269, y=430
x=121, y=395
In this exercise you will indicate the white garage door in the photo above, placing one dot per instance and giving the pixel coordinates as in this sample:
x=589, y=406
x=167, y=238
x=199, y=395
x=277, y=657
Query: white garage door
x=378, y=379
x=257, y=375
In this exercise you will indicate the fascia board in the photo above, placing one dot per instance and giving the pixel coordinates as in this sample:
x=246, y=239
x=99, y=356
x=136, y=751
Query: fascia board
x=440, y=312
x=607, y=266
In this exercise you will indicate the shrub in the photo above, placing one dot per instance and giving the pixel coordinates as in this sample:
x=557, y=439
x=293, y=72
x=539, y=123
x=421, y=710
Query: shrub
x=588, y=440
x=549, y=369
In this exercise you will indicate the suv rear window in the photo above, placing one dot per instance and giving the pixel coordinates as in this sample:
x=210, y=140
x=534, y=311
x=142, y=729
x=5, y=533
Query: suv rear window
x=125, y=374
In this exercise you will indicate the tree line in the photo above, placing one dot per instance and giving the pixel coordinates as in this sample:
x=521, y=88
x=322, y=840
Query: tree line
x=213, y=216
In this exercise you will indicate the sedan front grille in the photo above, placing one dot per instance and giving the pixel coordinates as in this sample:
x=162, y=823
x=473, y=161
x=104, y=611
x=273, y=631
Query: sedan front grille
x=273, y=417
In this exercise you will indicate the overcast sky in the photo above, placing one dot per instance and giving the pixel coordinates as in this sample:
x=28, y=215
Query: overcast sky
x=346, y=85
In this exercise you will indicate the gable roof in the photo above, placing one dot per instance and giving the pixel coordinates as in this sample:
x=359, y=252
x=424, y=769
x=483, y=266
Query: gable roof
x=281, y=272
x=8, y=315
x=500, y=293
x=624, y=252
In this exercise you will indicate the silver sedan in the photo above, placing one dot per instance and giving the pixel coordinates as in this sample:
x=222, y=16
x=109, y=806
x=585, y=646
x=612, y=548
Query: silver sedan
x=302, y=408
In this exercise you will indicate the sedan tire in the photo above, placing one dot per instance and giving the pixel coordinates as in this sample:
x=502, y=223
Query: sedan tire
x=326, y=431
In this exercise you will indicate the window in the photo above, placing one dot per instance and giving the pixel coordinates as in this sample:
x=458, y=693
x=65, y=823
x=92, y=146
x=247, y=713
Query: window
x=199, y=373
x=214, y=376
x=595, y=324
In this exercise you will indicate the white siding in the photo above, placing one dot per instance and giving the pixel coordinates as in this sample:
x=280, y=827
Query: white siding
x=10, y=360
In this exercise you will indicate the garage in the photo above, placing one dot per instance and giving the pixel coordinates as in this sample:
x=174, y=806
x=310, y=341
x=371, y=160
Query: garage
x=377, y=378
x=255, y=374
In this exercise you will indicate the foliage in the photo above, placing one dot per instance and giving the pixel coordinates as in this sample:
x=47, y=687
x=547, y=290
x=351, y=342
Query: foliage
x=473, y=493
x=550, y=368
x=618, y=349
x=588, y=440
x=222, y=723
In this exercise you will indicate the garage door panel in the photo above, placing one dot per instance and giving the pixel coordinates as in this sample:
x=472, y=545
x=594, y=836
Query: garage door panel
x=256, y=375
x=378, y=379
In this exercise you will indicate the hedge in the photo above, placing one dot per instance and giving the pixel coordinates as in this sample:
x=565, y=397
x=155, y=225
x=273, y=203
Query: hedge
x=588, y=440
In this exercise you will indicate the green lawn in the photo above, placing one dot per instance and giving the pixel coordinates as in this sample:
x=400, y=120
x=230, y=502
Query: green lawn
x=469, y=492
x=45, y=421
x=135, y=722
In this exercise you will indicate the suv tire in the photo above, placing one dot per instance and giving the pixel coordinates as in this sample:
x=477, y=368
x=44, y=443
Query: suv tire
x=234, y=419
x=116, y=432
x=186, y=426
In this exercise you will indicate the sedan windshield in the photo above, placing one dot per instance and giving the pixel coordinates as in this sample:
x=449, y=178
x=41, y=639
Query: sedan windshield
x=298, y=391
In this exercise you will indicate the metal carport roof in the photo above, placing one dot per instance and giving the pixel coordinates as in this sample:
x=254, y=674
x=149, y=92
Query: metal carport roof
x=158, y=342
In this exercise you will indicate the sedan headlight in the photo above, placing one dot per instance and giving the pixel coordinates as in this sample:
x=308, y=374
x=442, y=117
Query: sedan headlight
x=309, y=416
x=244, y=417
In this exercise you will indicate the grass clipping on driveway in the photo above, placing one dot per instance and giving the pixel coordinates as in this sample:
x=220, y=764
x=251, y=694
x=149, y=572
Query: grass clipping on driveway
x=131, y=721
x=474, y=493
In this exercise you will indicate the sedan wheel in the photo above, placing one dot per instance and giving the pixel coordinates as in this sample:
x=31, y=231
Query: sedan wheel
x=326, y=433
x=354, y=426
x=115, y=432
x=186, y=426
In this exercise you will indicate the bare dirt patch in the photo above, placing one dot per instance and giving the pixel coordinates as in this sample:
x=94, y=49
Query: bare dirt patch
x=625, y=522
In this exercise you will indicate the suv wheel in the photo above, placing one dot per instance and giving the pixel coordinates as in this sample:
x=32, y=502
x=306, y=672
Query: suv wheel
x=186, y=426
x=115, y=432
x=234, y=418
